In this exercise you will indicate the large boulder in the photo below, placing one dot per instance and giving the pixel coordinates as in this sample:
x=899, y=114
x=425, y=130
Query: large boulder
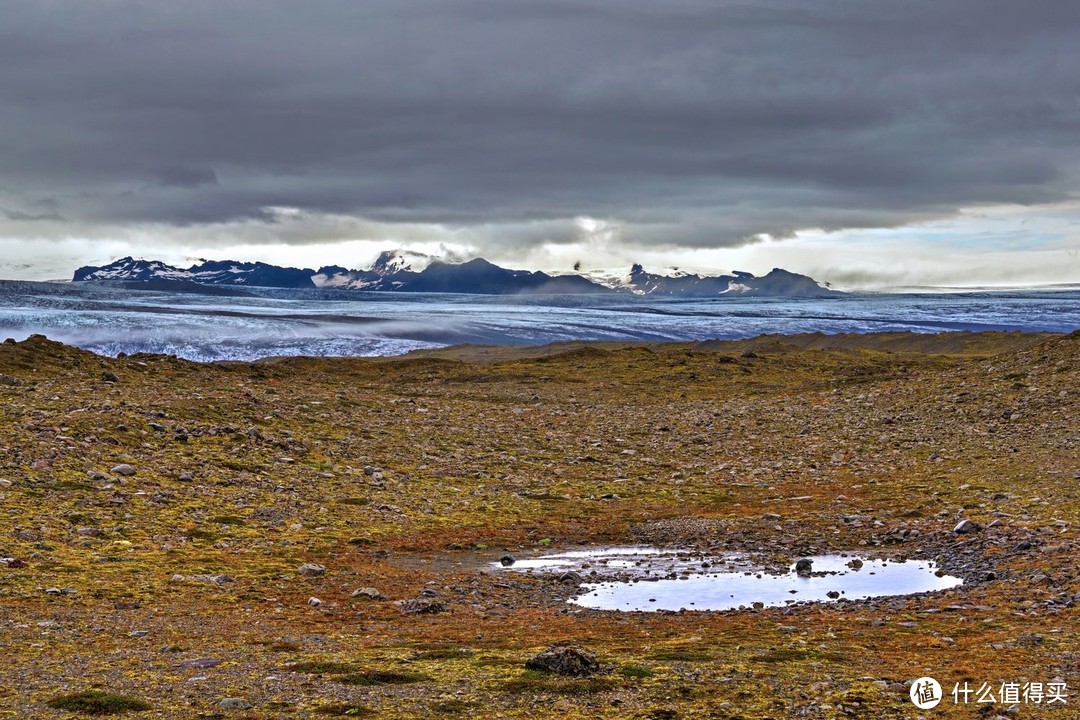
x=565, y=660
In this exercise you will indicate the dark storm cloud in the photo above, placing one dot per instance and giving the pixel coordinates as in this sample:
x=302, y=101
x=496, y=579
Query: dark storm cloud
x=690, y=122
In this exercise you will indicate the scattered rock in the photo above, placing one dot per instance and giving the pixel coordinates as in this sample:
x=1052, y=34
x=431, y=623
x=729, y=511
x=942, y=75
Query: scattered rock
x=234, y=703
x=1021, y=546
x=200, y=663
x=570, y=576
x=966, y=526
x=421, y=606
x=186, y=477
x=311, y=569
x=314, y=601
x=215, y=579
x=123, y=469
x=110, y=377
x=564, y=660
x=367, y=592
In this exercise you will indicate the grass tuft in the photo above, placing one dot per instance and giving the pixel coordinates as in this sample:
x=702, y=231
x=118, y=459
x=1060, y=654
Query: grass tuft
x=98, y=702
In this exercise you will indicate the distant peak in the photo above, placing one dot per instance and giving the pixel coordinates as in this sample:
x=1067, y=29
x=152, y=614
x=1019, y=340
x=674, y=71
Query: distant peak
x=394, y=261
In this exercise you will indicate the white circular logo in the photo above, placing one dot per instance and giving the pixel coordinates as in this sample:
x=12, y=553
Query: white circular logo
x=925, y=693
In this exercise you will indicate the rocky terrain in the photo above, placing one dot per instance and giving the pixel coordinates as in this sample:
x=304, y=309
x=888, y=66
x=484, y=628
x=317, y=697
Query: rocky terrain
x=304, y=538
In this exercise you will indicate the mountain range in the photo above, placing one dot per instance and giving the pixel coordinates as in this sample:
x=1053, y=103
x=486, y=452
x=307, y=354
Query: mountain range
x=402, y=271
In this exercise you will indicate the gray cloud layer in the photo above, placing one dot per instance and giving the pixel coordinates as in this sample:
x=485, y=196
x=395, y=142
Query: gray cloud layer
x=692, y=123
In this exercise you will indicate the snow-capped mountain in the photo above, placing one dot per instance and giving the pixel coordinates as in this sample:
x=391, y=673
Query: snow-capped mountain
x=413, y=272
x=207, y=272
x=388, y=272
x=777, y=283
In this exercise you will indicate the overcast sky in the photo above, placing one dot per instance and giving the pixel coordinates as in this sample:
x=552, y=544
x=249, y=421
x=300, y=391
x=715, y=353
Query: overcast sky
x=868, y=143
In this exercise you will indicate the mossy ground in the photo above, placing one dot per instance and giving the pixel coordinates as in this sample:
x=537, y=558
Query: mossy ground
x=410, y=474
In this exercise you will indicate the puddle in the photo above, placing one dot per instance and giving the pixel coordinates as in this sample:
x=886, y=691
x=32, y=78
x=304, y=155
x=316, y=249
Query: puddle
x=651, y=579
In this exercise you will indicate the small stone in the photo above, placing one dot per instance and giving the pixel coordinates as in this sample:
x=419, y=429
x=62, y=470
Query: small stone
x=966, y=526
x=507, y=560
x=570, y=577
x=314, y=601
x=833, y=594
x=771, y=517
x=89, y=531
x=855, y=564
x=201, y=663
x=186, y=477
x=5, y=483
x=123, y=469
x=234, y=703
x=1021, y=546
x=564, y=660
x=311, y=569
x=110, y=377
x=804, y=567
x=757, y=605
x=138, y=633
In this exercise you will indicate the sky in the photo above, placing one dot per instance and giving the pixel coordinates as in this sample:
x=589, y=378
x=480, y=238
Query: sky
x=869, y=144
